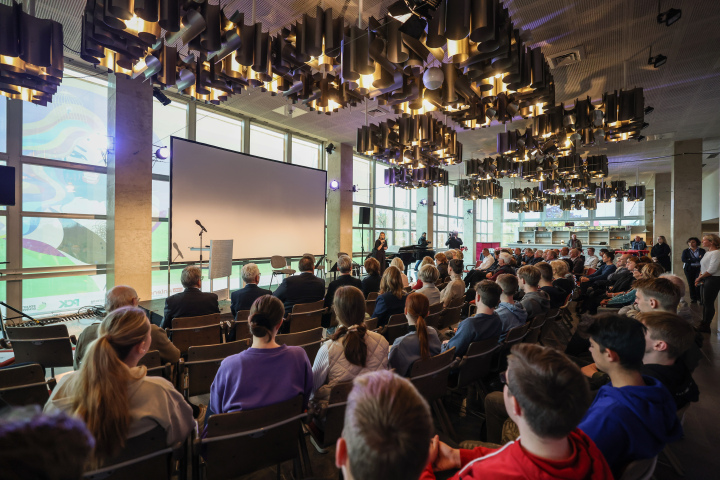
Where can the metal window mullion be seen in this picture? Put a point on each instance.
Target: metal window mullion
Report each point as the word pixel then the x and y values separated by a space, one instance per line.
pixel 47 162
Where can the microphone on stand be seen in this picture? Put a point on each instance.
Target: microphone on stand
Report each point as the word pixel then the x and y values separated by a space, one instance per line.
pixel 197 222
pixel 175 245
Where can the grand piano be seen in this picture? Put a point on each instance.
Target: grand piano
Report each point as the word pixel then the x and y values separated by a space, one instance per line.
pixel 409 254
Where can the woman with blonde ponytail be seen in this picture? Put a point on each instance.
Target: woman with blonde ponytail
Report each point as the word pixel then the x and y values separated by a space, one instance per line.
pixel 352 350
pixel 112 394
pixel 421 342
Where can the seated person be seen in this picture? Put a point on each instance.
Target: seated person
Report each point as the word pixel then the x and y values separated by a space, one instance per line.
pixel 442 265
pixel 485 324
pixel 371 283
pixel 425 261
pixel 387 430
pixel 619 299
pixel 114 396
pixel 537 258
pixel 577 262
pixel 534 301
pixel 352 350
pixel 391 300
pixel 456 288
pixel 421 342
pixel 512 314
pixel 243 299
pixel 302 288
pixel 591 260
pixel 192 302
pixel 503 266
pixel 344 265
pixel 398 263
pixel 527 257
pixel 633 417
pixel 124 296
pixel 429 275
pixel 562 278
pixel 264 374
pixel 557 296
pixel 546 396
pixel 601 274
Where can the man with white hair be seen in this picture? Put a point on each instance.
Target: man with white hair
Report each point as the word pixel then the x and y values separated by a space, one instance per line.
pixel 243 299
pixel 344 265
pixel 504 266
pixel 124 296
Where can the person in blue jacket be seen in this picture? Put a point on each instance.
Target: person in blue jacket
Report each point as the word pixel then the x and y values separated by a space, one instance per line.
pixel 602 273
pixel 633 416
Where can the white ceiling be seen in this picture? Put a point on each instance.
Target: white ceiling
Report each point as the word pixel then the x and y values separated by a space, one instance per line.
pixel 616 36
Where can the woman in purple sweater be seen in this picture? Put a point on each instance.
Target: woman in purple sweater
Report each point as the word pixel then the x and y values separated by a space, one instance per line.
pixel 266 373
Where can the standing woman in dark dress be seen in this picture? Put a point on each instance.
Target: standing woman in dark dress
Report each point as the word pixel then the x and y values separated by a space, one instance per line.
pixel 379 251
pixel 660 253
pixel 691 257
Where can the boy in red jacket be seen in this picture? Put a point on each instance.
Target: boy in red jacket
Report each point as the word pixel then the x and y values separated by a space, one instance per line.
pixel 546 395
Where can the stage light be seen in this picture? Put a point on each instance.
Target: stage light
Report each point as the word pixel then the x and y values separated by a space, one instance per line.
pixel 423 202
pixel 162 153
pixel 330 149
pixel 400 11
pixel 658 60
pixel 669 17
pixel 649 110
pixel 334 184
pixel 161 97
pixel 355 189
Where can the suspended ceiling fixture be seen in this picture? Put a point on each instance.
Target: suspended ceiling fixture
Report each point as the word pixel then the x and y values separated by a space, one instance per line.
pixel 414 140
pixel 474 189
pixel 31 55
pixel 472 64
pixel 409 178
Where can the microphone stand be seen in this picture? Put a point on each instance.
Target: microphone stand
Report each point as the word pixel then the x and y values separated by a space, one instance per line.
pixel 2 322
pixel 201 248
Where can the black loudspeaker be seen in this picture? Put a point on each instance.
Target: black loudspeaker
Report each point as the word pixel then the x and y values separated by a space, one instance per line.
pixel 7 186
pixel 364 215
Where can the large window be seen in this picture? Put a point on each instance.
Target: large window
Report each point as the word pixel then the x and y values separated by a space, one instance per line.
pixel 168 121
pixel 305 152
pixel 219 130
pixel 267 143
pixel 448 215
pixel 484 220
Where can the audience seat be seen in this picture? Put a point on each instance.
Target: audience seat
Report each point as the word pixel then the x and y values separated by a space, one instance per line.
pixel 243 442
pixel 477 364
pixel 24 385
pixel 334 416
pixel 239 330
pixel 373 295
pixel 184 338
pixel 434 320
pixel 280 267
pixel 198 372
pixel 145 456
pixel 640 469
pixel 370 306
pixel 300 322
pixel 371 324
pixel 430 377
pixel 308 307
pixel 242 315
pixel 435 308
pixel 393 332
pixel 309 340
pixel 458 302
pixel 534 328
pixel 514 335
pixel 154 365
pixel 451 316
pixel 51 346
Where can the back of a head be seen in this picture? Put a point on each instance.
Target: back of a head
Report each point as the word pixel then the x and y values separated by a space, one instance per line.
pixel 191 276
pixel 344 264
pixel 427 261
pixel 307 263
pixel 440 257
pixel 417 305
pixel 398 263
pixel 663 290
pixel 249 273
pixel 489 293
pixel 677 281
pixel 623 335
pixel 391 282
pixel 652 270
pixel 508 283
pixel 530 274
pixel 670 328
pixel 550 389
pixel 349 305
pixel 428 274
pixel 546 271
pixel 372 266
pixel 559 268
pixel 266 313
pixel 456 266
pixel 119 296
pixel 42 446
pixel 387 428
pixel 450 254
pixel 100 386
pixel 506 258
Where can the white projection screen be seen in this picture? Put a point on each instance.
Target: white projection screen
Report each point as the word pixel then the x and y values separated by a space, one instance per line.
pixel 266 207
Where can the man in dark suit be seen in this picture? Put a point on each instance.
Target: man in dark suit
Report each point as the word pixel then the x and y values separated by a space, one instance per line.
pixel 192 302
pixel 345 268
pixel 302 288
pixel 243 299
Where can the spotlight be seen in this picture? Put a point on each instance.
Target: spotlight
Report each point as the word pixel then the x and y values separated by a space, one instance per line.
pixel 649 110
pixel 641 138
pixel 330 149
pixel 423 202
pixel 657 61
pixel 400 11
pixel 644 126
pixel 669 17
pixel 334 184
pixel 355 189
pixel 469 211
pixel 162 98
pixel 162 153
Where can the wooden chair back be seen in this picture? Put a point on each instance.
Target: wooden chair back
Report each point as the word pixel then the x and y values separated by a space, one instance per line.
pixel 397 319
pixel 370 306
pixel 193 322
pixel 202 364
pixel 477 362
pixel 430 376
pixel 434 320
pixel 309 340
pixel 334 414
pixel 373 295
pixel 451 316
pixel 242 315
pixel 393 332
pixel 308 307
pixel 184 338
pixel 436 307
pixel 371 324
pixel 24 385
pixel 300 322
pixel 48 345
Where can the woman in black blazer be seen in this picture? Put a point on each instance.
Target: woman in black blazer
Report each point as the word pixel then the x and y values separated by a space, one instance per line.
pixel 371 283
pixel 379 251
pixel 660 253
pixel 691 257
pixel 391 300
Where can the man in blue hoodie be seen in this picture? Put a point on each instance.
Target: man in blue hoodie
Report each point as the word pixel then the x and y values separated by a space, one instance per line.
pixel 485 324
pixel 512 314
pixel 633 417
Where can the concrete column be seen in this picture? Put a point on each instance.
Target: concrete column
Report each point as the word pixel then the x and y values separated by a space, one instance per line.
pixel 663 208
pixel 469 230
pixel 339 202
pixel 14 228
pixel 129 190
pixel 686 216
pixel 649 204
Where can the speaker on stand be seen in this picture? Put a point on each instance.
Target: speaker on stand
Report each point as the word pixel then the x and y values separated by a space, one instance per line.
pixel 364 220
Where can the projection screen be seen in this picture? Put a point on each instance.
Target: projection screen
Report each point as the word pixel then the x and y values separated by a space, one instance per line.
pixel 266 207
